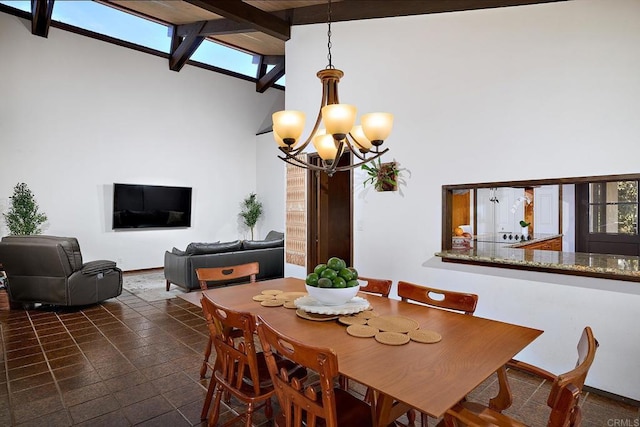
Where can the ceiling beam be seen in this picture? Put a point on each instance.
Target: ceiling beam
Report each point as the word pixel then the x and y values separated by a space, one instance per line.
pixel 238 11
pixel 267 80
pixel 217 27
pixel 349 10
pixel 183 48
pixel 41 17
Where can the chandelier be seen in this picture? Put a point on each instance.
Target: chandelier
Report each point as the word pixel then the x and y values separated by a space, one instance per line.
pixel 340 134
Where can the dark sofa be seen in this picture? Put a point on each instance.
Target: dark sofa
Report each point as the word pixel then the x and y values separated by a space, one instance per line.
pixel 179 266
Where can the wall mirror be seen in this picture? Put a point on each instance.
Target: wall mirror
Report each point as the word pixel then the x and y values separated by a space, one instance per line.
pixel 594 215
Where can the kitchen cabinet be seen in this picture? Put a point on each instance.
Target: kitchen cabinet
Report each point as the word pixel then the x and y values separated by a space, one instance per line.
pixel 554 244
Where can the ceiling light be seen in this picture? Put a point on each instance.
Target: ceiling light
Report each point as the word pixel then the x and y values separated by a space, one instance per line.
pixel 340 134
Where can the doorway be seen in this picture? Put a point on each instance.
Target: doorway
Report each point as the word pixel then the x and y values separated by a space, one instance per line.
pixel 330 214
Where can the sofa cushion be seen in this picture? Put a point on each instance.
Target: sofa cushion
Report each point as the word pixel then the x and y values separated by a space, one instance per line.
pixel 274 235
pixel 177 251
pixel 213 248
pixel 262 244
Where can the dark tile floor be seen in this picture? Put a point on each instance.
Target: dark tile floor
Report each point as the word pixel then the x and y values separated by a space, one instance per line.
pixel 132 362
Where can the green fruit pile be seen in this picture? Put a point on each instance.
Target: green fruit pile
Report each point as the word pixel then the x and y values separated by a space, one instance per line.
pixel 333 274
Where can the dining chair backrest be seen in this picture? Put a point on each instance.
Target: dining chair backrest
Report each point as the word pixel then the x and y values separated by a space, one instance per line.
pixel 303 404
pixel 380 287
pixel 450 300
pixel 221 276
pixel 587 347
pixel 235 356
pixel 236 369
pixel 207 275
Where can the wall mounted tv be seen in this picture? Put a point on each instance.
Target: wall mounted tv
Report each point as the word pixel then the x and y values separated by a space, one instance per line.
pixel 151 206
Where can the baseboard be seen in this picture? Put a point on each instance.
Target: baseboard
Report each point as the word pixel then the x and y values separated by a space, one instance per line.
pixel 612 396
pixel 144 270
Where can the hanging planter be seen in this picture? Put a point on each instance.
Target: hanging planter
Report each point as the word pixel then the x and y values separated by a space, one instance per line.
pixel 383 176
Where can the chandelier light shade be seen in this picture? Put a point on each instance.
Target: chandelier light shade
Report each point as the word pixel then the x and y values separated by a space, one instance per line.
pixel 377 126
pixel 326 147
pixel 339 119
pixel 341 133
pixel 288 125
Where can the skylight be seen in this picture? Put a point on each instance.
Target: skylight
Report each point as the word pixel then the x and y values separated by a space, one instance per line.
pixel 111 22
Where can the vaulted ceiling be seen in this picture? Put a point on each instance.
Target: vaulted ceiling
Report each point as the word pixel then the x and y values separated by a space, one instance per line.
pixel 261 27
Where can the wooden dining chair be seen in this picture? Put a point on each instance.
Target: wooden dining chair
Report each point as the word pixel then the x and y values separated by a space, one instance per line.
pixel 440 298
pixel 563 397
pixel 240 369
pixel 371 286
pixel 450 300
pixel 219 276
pixel 305 404
pixel 380 287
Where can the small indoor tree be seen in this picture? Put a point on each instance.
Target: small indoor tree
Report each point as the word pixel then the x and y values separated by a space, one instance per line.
pixel 251 211
pixel 23 217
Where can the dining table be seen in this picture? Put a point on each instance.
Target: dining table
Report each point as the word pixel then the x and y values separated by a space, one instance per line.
pixel 430 378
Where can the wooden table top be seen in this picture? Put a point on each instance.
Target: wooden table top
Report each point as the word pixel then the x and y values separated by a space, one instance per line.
pixel 428 377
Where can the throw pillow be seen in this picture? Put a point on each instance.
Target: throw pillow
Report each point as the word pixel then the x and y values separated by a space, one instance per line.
pixel 262 244
pixel 177 251
pixel 274 235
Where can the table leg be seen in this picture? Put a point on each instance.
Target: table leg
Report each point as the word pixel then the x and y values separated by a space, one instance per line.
pixel 504 398
pixel 387 409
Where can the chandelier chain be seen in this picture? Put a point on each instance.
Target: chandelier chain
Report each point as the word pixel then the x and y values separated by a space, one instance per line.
pixel 330 65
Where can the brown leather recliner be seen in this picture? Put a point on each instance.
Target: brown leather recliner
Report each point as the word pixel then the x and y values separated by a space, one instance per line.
pixel 49 270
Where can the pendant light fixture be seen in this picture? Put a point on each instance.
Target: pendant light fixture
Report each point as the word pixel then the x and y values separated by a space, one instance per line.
pixel 339 133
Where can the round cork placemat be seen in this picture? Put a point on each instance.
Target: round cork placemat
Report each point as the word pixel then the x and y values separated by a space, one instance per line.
pixel 367 314
pixel 290 296
pixel 362 331
pixel 262 297
pixel 392 338
pixel 272 292
pixel 316 317
pixel 271 303
pixel 424 336
pixel 289 304
pixel 393 323
pixel 352 320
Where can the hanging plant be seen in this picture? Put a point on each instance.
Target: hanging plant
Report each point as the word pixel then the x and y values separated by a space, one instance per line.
pixel 23 217
pixel 383 176
pixel 251 211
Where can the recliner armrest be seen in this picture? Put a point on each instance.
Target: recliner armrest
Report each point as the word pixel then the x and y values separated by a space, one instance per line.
pixel 99 266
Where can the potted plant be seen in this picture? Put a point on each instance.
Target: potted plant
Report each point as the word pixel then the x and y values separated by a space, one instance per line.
pixel 525 227
pixel 251 211
pixel 24 217
pixel 383 176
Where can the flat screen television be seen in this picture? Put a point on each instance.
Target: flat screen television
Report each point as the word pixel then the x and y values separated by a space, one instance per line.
pixel 151 206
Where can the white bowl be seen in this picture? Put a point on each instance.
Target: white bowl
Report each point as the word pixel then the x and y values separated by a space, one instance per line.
pixel 332 296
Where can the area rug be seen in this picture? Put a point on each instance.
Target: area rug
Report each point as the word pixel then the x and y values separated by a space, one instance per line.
pixel 150 286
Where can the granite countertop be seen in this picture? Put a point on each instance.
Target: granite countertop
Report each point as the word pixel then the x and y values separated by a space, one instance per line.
pixel 589 264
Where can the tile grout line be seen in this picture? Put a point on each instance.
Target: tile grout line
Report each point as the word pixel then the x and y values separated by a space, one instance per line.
pixel 6 373
pixel 46 359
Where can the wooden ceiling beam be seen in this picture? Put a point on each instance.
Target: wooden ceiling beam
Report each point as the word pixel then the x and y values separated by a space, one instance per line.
pixel 41 17
pixel 238 11
pixel 349 10
pixel 267 80
pixel 183 48
pixel 217 27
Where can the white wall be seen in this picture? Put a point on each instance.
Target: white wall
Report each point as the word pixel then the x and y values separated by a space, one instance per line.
pixel 541 91
pixel 77 115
